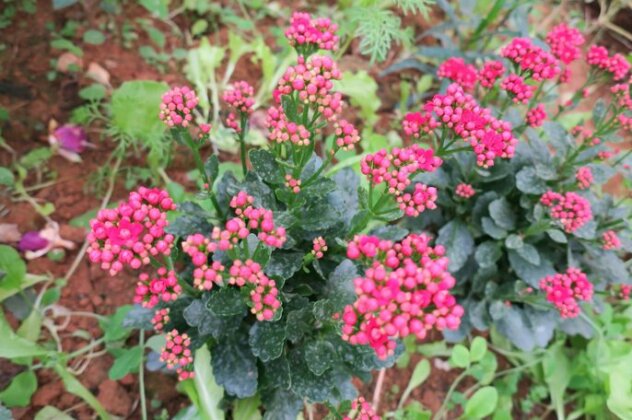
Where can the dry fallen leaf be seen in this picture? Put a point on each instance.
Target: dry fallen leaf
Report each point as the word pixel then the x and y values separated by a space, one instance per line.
pixel 97 73
pixel 9 233
pixel 66 60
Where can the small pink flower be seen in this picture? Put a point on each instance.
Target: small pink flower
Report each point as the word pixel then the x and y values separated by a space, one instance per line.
pixel 540 64
pixel 517 88
pixel 584 178
pixel 346 135
pixel 177 106
pixel 361 410
pixel 293 184
pixel 305 30
pixel 415 123
pixel 570 209
pixel 457 70
pixel 491 71
pixel 564 290
pixel 536 116
pixel 239 96
pixel 565 42
pixel 611 240
pixel 319 247
pixel 464 190
pixel 177 354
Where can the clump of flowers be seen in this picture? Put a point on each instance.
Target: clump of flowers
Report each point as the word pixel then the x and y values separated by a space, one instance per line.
pixel 600 58
pixel 361 409
pixel 489 137
pixel 346 135
pixel 535 116
pixel 457 70
pixel 540 64
pixel 133 232
pixel 293 184
pixel 317 33
pixel 564 290
pixel 610 240
pixel 584 178
pixel 177 106
pixel 570 209
pixel 152 290
pixel 160 319
pixel 464 190
pixel 177 354
pixel 565 43
pixel 492 70
pixel 263 293
pixel 405 291
pixel 416 123
pixel 282 130
pixel 319 248
pixel 517 88
pixel 239 98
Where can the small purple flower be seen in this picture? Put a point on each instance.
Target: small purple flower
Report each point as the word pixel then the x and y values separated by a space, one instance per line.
pixel 71 138
pixel 32 241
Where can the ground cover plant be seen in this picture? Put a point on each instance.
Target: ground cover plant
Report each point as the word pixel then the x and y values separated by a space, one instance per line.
pixel 306 238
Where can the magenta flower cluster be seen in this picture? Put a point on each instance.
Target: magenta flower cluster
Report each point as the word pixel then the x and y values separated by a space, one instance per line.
pixel 565 43
pixel 282 130
pixel 415 123
pixel 570 209
pixel 164 287
pixel 176 109
pixel 517 88
pixel 610 240
pixel 535 116
pixel 177 354
pixel 305 30
pixel 405 291
pixel 464 190
pixel 397 169
pixel 133 232
pixel 489 137
pixel 346 135
pixel 532 59
pixel 564 290
pixel 584 177
pixel 361 409
pixel 263 291
pixel 319 247
pixel 492 70
pixel 239 97
pixel 616 64
pixel 457 70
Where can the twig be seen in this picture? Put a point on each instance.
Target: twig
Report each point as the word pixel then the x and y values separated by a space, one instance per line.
pixel 377 393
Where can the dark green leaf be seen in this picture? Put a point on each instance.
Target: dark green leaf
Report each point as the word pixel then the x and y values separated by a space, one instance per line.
pixel 502 213
pixel 557 235
pixel 339 288
pixel 458 242
pixel 528 182
pixel 264 163
pixel 234 366
pixel 267 340
pixel 226 302
pixel 558 137
pixel 530 273
pixel 281 405
pixel 487 253
pixel 211 167
pixel 319 356
pixel 283 265
pixel 492 229
pixel 139 318
pixel 300 322
pixel 514 241
pixel 529 253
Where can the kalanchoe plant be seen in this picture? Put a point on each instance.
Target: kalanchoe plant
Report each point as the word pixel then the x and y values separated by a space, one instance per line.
pixel 533 242
pixel 287 274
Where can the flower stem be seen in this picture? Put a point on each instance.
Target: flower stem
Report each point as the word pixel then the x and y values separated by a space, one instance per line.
pixel 141 376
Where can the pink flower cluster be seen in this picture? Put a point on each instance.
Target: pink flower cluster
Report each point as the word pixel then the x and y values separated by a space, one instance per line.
pixel 492 70
pixel 536 116
pixel 404 291
pixel 132 232
pixel 152 290
pixel 489 137
pixel 610 240
pixel 625 122
pixel 177 106
pixel 621 92
pixel 293 184
pixel 570 209
pixel 319 247
pixel 584 178
pixel 239 96
pixel 464 190
pixel 565 43
pixel 415 123
pixel 625 291
pixel 517 88
pixel 397 168
pixel 160 319
pixel 616 64
pixel 177 354
pixel 539 63
pixel 312 81
pixel 346 135
pixel 282 130
pixel 457 70
pixel 316 31
pixel 361 410
pixel 258 219
pixel 263 291
pixel 563 290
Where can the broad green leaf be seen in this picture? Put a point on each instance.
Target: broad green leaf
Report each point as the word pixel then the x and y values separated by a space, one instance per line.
pixel 488 253
pixel 20 390
pixel 265 165
pixel 112 326
pixel 320 356
pixel 460 356
pixel 14 347
pixel 478 348
pixel 557 235
pixel 12 268
pixel 126 362
pixel 458 243
pixel 160 8
pixel 29 280
pixel 267 340
pixel 234 366
pixel 94 37
pixel 209 393
pixel 492 229
pixel 31 326
pixel 528 182
pixel 482 403
pixel 6 177
pixel 94 92
pixel 226 302
pixel 419 376
pixel 502 213
pixel 135 106
pixel 557 374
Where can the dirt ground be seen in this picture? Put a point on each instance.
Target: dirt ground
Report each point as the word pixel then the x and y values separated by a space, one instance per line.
pixel 32 101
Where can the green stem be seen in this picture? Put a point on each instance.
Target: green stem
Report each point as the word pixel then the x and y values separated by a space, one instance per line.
pixel 442 410
pixel 242 141
pixel 141 376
